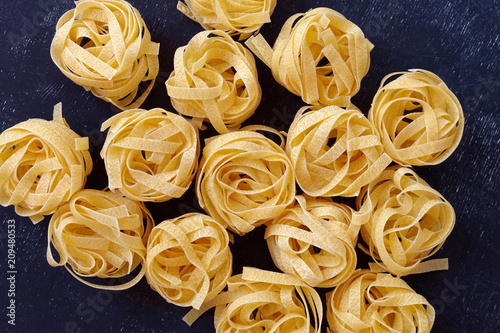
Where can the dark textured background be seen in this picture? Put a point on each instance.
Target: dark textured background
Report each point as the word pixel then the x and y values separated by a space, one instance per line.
pixel 458 40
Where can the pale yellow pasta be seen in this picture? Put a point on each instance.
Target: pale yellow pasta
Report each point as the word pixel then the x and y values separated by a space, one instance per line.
pixel 42 164
pixel 419 120
pixel 105 46
pixel 334 151
pixel 214 79
pixel 377 303
pixel 100 234
pixel 315 241
pixel 150 155
pixel 404 221
pixel 319 55
pixel 261 301
pixel 188 260
pixel 236 17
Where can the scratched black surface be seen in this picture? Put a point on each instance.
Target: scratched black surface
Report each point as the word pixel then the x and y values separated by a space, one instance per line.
pixel 458 40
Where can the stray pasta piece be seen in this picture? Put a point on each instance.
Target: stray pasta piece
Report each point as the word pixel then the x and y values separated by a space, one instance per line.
pixel 404 221
pixel 319 55
pixel 100 234
pixel 189 261
pixel 315 241
pixel 105 46
pixel 378 303
pixel 263 301
pixel 244 180
pixel 214 79
pixel 42 164
pixel 236 17
pixel 334 151
pixel 419 120
pixel 150 155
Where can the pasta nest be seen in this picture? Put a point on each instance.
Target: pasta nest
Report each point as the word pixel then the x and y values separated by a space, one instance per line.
pixel 319 55
pixel 100 234
pixel 378 303
pixel 315 241
pixel 189 261
pixel 42 164
pixel 106 47
pixel 404 221
pixel 419 120
pixel 334 151
pixel 150 155
pixel 214 79
pixel 262 301
pixel 244 180
pixel 235 17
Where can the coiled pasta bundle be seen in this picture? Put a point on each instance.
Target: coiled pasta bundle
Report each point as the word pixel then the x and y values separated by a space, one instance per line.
pixel 319 55
pixel 189 260
pixel 378 303
pixel 214 80
pixel 150 155
pixel 42 164
pixel 105 46
pixel 419 120
pixel 315 241
pixel 334 151
pixel 100 234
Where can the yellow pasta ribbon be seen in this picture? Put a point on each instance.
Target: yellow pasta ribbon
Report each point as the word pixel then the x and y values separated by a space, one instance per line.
pixel 100 234
pixel 377 303
pixel 315 241
pixel 150 155
pixel 334 151
pixel 404 221
pixel 105 46
pixel 419 120
pixel 236 17
pixel 263 301
pixel 244 180
pixel 189 261
pixel 319 55
pixel 214 79
pixel 42 164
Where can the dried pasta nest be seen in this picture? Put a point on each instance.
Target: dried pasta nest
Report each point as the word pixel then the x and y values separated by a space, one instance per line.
pixel 236 17
pixel 189 261
pixel 419 120
pixel 214 80
pixel 150 155
pixel 106 47
pixel 42 164
pixel 319 55
pixel 404 221
pixel 378 303
pixel 100 234
pixel 334 151
pixel 244 180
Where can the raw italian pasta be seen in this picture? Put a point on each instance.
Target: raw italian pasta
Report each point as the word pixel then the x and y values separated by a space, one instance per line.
pixel 419 120
pixel 404 221
pixel 244 180
pixel 188 260
pixel 319 55
pixel 262 301
pixel 214 80
pixel 236 17
pixel 42 164
pixel 315 241
pixel 334 151
pixel 150 155
pixel 105 46
pixel 378 303
pixel 100 234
